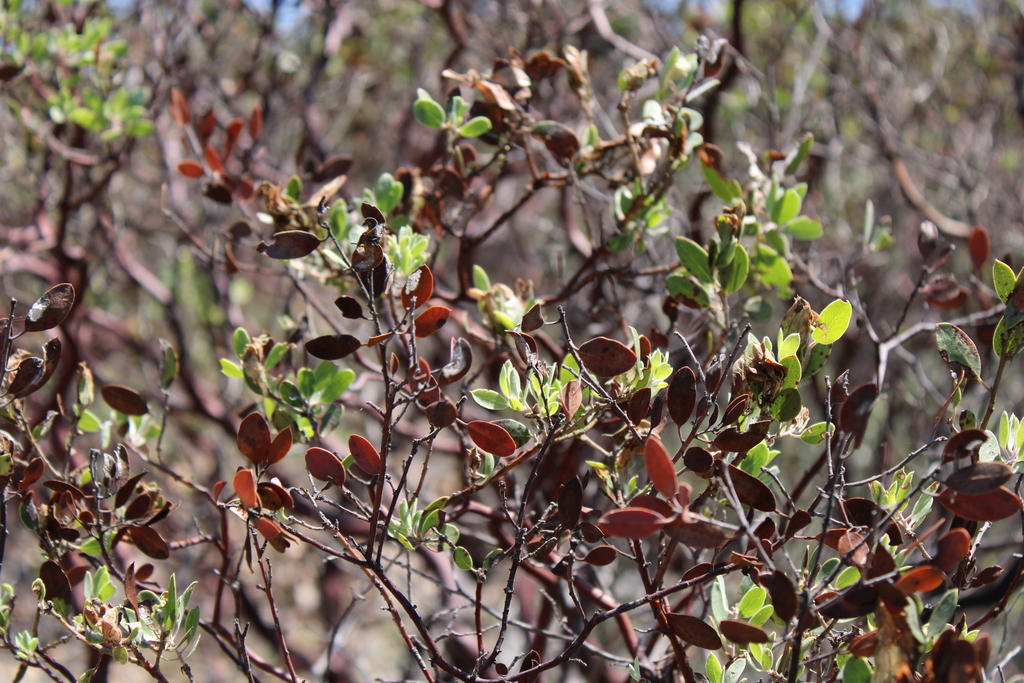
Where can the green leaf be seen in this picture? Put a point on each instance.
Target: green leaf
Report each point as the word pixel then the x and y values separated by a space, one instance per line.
pixel 787 208
pixel 815 434
pixel 475 127
pixel 847 577
pixel 734 275
pixel 725 190
pixel 337 385
pixel 694 258
pixel 801 153
pixel 833 322
pixel 240 340
pixel 89 119
pixel 803 228
pixel 231 369
pixel 427 111
pixel 293 190
pixel 735 671
pixel 762 616
pixel 957 349
pixel 857 670
pixel 752 601
pixel 794 373
pixel 1006 343
pixel 688 288
pixel 388 193
pixel 491 400
pixel 713 669
pixel 1003 279
pixel 787 406
pixel 943 612
pixel 480 279
pixel 463 560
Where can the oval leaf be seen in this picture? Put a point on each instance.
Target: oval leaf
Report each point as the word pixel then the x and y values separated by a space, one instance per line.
pixel 980 478
pixel 957 349
pixel 191 169
pixel 418 288
pixel 742 632
pixel 324 465
pixel 332 346
pixel 833 322
pixel 290 244
pixel 694 631
pixel 491 438
pixel 606 357
pixel 921 580
pixel 989 507
pixel 570 503
pixel 365 455
pixel 458 366
pixel 632 523
pixel 50 309
pixel 783 595
pixel 245 487
pixel 953 547
pixel 660 468
pixel 749 489
pixel 349 307
pixel 963 444
pixel 601 556
pixel 733 440
pixel 431 320
pixel 149 542
pixel 124 400
pixel 254 438
pixel 58 587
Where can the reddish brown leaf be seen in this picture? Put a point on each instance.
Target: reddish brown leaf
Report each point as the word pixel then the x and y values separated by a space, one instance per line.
pixel 33 472
pixel 349 307
pixel 697 532
pixel 213 160
pixel 783 595
pixel 732 440
pixel 652 502
pixel 560 140
pixel 660 468
pixel 274 496
pixel 700 461
pixel 332 346
pixel 639 405
pixel 853 416
pixel 867 513
pixel 532 320
pixel 634 523
pixel 231 133
pixel 245 487
pixel 441 413
pixel 979 478
pixel 431 320
pixel 491 438
pixel 980 246
pixel 572 398
pixel 149 542
pixel 852 542
pixel 606 357
pixel 856 601
pixel 280 446
pixel 694 631
pixel 601 556
pixel 325 466
pixel 139 507
pixel 254 438
pixel 124 400
pixel 290 244
pixel 963 444
pixel 205 126
pixel 126 490
pixel 526 346
pixel 682 395
pixel 365 455
pixel 191 169
pixel 58 587
pixel 272 531
pixel 178 107
pixel 570 503
pixel 986 576
pixel 372 212
pixel 953 547
pixel 921 579
pixel 696 571
pixel 256 122
pixel 742 632
pixel 750 490
pixel 798 522
pixel 735 409
pixel 218 488
pixel 418 288
pixel 50 309
pixel 459 365
pixel 989 507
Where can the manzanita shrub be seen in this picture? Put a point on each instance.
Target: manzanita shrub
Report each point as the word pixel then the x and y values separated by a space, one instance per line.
pixel 531 483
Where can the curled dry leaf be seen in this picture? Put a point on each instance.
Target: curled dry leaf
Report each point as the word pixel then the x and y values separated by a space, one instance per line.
pixel 324 465
pixel 783 595
pixel 365 455
pixel 697 571
pixel 697 532
pixel 532 320
pixel 372 212
pixel 124 400
pixel 254 438
pixel 606 357
pixel 149 542
pixel 430 321
pixel 741 632
pixel 660 468
pixel 694 631
pixel 245 487
pixel 963 444
pixel 458 366
pixel 272 531
pixel 418 288
pixel 274 496
pixel 50 309
pixel 491 438
pixel 639 405
pixel 750 490
pixel 290 244
pixel 989 507
pixel 332 346
pixel 572 398
pixel 560 140
pixel 58 587
pixel 632 523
